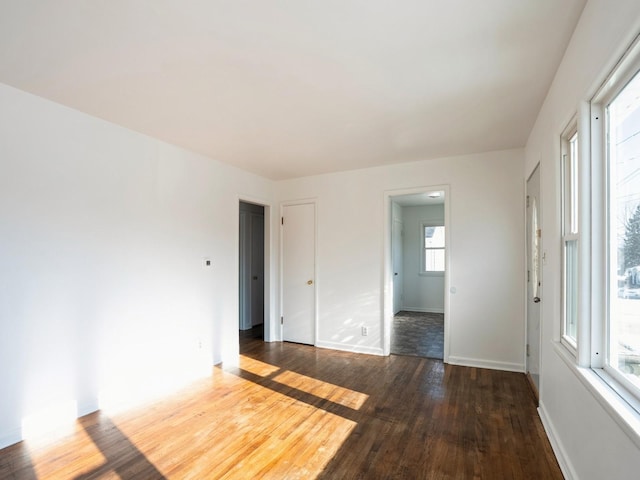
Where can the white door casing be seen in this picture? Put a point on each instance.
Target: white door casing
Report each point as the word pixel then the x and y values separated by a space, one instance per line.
pixel 298 273
pixel 388 300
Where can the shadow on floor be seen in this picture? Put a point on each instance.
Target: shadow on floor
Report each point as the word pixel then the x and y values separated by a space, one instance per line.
pixel 15 462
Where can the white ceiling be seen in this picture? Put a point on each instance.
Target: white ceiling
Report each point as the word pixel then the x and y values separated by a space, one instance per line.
pixel 291 88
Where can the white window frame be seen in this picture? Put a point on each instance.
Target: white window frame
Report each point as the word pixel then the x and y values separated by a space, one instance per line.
pixel 423 261
pixel 569 175
pixel 619 399
pixel 600 235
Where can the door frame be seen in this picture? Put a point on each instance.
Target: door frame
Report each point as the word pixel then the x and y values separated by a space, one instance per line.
pixel 269 293
pixel 387 277
pixel 290 203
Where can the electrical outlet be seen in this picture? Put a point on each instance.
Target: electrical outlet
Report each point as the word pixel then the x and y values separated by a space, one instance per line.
pixel 365 331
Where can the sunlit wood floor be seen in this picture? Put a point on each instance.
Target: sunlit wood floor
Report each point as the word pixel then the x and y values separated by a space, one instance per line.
pixel 297 412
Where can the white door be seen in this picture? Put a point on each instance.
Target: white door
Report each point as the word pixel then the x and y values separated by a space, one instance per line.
pixel 534 237
pixel 396 260
pixel 298 273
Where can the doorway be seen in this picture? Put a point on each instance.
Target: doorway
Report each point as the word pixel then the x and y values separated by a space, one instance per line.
pixel 534 283
pixel 252 271
pixel 418 258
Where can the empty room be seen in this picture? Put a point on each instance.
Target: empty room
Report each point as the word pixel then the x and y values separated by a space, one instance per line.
pixel 320 240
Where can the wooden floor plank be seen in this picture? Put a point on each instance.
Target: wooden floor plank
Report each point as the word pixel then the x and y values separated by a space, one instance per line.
pixel 293 411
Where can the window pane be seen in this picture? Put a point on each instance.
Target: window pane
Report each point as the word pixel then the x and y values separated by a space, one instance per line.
pixel 624 230
pixel 571 290
pixel 434 260
pixel 573 178
pixel 434 237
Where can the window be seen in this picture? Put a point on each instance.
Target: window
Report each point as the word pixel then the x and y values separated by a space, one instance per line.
pixel 433 257
pixel 570 236
pixel 622 127
pixel 613 208
pixel 600 239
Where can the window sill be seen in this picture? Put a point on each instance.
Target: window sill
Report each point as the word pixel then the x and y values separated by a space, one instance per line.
pixel 570 347
pixel 616 401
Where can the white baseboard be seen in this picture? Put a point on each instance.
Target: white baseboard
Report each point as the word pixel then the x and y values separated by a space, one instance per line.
pixel 15 436
pixel 423 310
pixel 10 437
pixel 491 364
pixel 350 348
pixel 558 449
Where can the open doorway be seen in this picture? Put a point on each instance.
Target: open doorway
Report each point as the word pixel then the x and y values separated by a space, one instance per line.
pixel 418 273
pixel 252 270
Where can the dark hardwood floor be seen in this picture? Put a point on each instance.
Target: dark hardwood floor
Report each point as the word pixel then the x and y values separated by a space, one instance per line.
pixel 296 412
pixel 418 333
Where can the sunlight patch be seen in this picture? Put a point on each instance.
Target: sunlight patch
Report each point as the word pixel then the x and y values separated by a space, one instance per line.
pixel 334 393
pixel 127 388
pixel 303 454
pixel 257 367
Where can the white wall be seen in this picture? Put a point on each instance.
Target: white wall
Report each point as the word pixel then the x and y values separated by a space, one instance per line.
pixel 422 293
pixel 590 444
pixel 486 235
pixel 102 236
